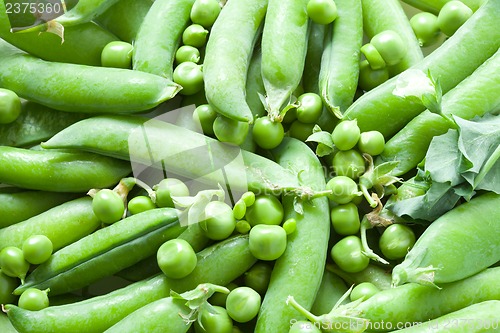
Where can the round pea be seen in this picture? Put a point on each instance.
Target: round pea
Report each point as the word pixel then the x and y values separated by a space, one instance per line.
pixel 176 258
pixel 168 188
pixel 205 12
pixel 322 11
pixel 345 219
pixel 243 227
pixel 259 276
pixel 349 163
pixel 267 209
pixel 239 209
pixel 187 53
pixel 230 130
pixel 371 142
pixel 300 130
pixel 348 254
pixel 108 206
pixel 217 321
pixel 33 299
pixel 117 54
pixel 139 204
pixel 205 115
pixel 13 263
pixel 426 28
pixel 343 188
pixel 267 242
pixel 218 222
pixel 290 225
pixel 195 35
pixel 37 249
pixel 310 108
pixel 243 304
pixel 190 76
pixel 346 134
pixel 363 290
pixel 266 133
pixel 370 78
pixel 10 106
pixel 452 15
pixel 390 46
pixel 396 241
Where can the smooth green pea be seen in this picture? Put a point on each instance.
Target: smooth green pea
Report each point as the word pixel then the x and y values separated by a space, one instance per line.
pixel 345 219
pixel 267 209
pixel 117 54
pixel 190 76
pixel 108 206
pixel 370 78
pixel 195 35
pixel 267 242
pixel 426 28
pixel 239 209
pixel 205 115
pixel 452 15
pixel 267 134
pixel 230 130
pixel 243 227
pixel 347 253
pixel 300 130
pixel 187 53
pixel 37 249
pixel 310 108
pixel 248 198
pixel 259 276
pixel 343 188
pixel 363 290
pixel 34 299
pixel 219 222
pixel 205 12
pixel 371 142
pixel 214 322
pixel 346 134
pixel 168 188
pixel 322 11
pixel 390 46
pixel 349 163
pixel 176 258
pixel 139 204
pixel 10 106
pixel 12 262
pixel 290 225
pixel 396 241
pixel 243 304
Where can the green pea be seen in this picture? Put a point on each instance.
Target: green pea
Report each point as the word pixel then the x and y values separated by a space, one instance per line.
pixel 10 106
pixel 219 222
pixel 37 249
pixel 13 263
pixel 290 225
pixel 363 290
pixel 248 198
pixel 243 304
pixel 176 258
pixel 117 54
pixel 239 209
pixel 348 254
pixel 243 227
pixel 217 321
pixel 230 130
pixel 139 204
pixel 205 12
pixel 195 35
pixel 259 276
pixel 34 299
pixel 349 163
pixel 189 75
pixel 267 209
pixel 345 219
pixel 452 16
pixel 187 53
pixel 346 134
pixel 108 206
pixel 267 242
pixel 205 115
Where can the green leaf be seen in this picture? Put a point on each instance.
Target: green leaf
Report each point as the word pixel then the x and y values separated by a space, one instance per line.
pixel 442 160
pixel 323 137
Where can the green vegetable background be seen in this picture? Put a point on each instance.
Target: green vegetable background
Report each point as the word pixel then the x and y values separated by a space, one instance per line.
pixel 256 166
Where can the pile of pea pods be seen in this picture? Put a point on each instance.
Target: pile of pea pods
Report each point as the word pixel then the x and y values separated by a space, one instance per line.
pixel 223 166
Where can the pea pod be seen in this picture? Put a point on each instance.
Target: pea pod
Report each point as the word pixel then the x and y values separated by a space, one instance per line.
pixel 228 56
pixel 374 274
pixel 434 6
pixel 390 309
pixel 443 247
pixel 6 325
pixel 338 77
pixel 80 88
pixel 83 43
pixel 188 154
pixel 19 206
pixel 63 225
pixel 315 46
pixel 254 85
pixel 381 15
pixel 219 264
pixel 479 317
pixel 104 252
pixel 300 269
pixel 459 56
pixel 159 36
pixel 330 291
pixel 35 124
pixel 284 49
pixel 59 171
pixel 124 18
pixel 476 95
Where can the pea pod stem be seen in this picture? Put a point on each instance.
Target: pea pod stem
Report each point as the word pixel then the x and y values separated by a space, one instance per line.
pixel 365 225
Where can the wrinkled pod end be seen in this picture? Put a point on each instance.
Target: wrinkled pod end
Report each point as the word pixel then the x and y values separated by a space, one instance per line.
pixel 422 275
